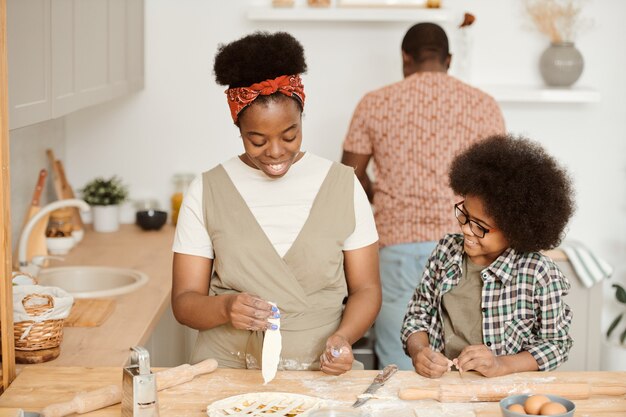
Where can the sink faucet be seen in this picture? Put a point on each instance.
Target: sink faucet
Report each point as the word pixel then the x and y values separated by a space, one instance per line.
pixel 28 228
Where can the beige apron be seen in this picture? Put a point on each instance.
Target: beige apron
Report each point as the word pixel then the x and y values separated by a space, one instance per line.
pixel 307 284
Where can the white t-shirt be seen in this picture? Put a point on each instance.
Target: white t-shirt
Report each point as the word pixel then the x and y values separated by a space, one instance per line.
pixel 281 206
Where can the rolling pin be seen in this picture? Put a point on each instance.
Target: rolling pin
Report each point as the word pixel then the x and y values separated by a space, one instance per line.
pixel 84 402
pixel 459 393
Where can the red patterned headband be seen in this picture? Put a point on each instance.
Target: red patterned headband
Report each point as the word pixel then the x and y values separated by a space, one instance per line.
pixel 240 97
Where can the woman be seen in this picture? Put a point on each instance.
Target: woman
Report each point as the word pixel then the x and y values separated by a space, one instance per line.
pixel 274 224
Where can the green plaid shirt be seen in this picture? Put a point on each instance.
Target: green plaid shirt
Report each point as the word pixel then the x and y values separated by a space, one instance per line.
pixel 522 303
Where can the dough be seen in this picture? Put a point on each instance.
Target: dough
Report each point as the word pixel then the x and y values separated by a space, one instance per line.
pixel 262 404
pixel 272 345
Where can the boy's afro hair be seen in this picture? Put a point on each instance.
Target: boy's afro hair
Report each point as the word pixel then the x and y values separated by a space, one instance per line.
pixel 528 194
pixel 258 57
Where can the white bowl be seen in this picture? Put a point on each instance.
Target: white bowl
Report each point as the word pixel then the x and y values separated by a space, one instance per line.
pixel 60 245
pixel 78 235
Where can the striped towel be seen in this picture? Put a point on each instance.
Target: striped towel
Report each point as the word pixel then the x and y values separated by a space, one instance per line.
pixel 589 268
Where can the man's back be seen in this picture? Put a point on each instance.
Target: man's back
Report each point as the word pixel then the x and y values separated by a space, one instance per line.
pixel 413 129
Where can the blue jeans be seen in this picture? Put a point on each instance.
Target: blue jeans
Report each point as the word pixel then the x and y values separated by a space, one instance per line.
pixel 401 269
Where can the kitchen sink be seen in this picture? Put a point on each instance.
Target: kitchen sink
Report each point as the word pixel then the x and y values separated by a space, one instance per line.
pixel 92 281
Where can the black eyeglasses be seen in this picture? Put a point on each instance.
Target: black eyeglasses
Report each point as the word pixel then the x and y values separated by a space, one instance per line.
pixel 463 218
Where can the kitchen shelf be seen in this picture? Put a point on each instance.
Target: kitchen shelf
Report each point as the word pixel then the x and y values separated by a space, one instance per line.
pixel 534 94
pixel 349 14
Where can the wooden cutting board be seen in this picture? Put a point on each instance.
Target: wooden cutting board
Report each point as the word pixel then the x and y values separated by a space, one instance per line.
pixel 37 356
pixel 89 312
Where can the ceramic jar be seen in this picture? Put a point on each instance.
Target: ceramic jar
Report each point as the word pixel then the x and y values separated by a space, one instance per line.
pixel 561 64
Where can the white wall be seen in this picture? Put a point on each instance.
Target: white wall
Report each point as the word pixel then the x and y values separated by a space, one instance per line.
pixel 28 156
pixel 181 122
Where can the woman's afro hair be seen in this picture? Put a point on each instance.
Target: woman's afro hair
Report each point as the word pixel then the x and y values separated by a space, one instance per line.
pixel 258 57
pixel 525 191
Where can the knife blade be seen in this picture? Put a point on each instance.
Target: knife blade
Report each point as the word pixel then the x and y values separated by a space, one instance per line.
pixel 382 377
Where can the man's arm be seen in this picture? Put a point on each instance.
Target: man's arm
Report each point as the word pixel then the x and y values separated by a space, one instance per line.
pixel 359 163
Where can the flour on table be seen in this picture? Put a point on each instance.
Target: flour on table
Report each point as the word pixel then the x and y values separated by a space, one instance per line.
pixel 272 345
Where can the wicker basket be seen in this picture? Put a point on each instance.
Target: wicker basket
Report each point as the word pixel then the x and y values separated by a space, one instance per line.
pixel 45 334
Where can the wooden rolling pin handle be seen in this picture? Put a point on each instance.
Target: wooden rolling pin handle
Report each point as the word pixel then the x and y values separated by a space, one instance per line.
pixel 183 373
pixel 419 394
pixel 85 402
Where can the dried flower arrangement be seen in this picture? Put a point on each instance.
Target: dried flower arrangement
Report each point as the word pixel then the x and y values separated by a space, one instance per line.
pixel 558 19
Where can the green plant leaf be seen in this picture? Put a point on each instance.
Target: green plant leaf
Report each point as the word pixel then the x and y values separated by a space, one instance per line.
pixel 101 191
pixel 613 325
pixel 622 337
pixel 620 293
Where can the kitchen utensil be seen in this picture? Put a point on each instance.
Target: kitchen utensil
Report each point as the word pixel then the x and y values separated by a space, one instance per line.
pixel 85 401
pixel 89 312
pixel 495 392
pixel 139 396
pixel 379 381
pixel 112 394
pixel 184 373
pixel 56 177
pixel 63 189
pixel 68 193
pixel 37 240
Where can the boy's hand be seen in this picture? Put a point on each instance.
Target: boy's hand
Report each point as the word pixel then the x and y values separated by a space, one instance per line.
pixel 429 363
pixel 480 359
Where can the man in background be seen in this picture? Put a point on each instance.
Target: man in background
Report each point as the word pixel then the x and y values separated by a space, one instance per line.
pixel 412 130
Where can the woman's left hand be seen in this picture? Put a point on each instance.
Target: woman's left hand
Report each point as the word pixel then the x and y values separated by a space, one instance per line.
pixel 480 359
pixel 337 358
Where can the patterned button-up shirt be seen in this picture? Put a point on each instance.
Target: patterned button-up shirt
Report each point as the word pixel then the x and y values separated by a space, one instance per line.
pixel 522 303
pixel 413 129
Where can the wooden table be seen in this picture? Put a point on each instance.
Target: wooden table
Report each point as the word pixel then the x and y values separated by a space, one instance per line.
pixel 37 387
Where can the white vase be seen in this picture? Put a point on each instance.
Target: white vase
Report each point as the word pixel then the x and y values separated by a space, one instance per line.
pixel 106 218
pixel 613 357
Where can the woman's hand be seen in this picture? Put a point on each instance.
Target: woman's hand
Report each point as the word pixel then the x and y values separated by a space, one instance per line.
pixel 249 312
pixel 429 363
pixel 480 359
pixel 337 358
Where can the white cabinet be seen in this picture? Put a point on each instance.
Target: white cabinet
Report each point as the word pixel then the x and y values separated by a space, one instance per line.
pixel 65 55
pixel 28 36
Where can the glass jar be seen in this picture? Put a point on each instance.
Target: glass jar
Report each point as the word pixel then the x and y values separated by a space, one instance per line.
pixel 60 223
pixel 181 183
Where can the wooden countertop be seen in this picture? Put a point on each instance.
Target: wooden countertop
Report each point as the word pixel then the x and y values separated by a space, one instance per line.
pixel 136 314
pixel 37 387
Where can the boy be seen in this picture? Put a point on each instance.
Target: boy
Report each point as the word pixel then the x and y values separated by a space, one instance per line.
pixel 488 300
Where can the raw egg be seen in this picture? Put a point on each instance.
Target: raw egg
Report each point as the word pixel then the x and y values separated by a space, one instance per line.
pixel 533 404
pixel 552 409
pixel 517 408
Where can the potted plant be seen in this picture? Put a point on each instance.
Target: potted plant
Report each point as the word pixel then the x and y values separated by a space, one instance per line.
pixel 614 349
pixel 620 296
pixel 104 196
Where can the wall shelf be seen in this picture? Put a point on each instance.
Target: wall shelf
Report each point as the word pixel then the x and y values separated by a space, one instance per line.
pixel 536 94
pixel 349 14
